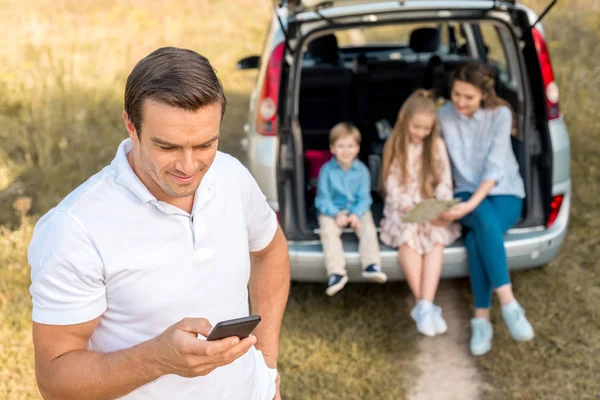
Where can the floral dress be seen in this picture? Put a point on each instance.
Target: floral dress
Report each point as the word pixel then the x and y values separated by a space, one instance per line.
pixel 400 197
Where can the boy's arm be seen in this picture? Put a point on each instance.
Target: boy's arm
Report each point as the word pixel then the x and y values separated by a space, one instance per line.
pixel 363 201
pixel 324 199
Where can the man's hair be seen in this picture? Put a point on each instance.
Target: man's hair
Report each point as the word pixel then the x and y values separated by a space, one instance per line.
pixel 176 77
pixel 344 129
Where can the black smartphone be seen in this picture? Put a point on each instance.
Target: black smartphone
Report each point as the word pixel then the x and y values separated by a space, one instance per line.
pixel 240 327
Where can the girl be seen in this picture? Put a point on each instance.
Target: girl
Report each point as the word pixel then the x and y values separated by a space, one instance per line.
pixel 478 123
pixel 415 166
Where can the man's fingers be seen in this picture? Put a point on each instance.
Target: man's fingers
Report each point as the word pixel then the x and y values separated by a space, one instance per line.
pixel 210 348
pixel 236 351
pixel 219 354
pixel 196 325
pixel 278 388
pixel 217 348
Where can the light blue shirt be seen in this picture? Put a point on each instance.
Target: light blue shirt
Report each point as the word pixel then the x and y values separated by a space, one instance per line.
pixel 480 149
pixel 339 190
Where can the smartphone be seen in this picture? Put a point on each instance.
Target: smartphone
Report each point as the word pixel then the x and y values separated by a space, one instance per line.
pixel 240 327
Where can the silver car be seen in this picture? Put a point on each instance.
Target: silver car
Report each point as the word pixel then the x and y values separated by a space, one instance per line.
pixel 346 60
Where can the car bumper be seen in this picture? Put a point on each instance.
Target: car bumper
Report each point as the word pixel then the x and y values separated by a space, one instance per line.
pixel 525 248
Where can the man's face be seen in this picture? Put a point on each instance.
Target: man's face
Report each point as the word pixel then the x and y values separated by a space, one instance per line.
pixel 176 147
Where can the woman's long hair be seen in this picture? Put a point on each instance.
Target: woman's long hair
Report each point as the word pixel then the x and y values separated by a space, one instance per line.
pixel 395 150
pixel 481 76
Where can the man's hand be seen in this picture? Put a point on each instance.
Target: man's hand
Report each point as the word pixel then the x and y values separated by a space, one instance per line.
pixel 342 220
pixel 179 350
pixel 354 222
pixel 458 211
pixel 278 392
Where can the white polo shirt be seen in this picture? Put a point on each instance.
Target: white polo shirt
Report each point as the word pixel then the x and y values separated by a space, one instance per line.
pixel 110 249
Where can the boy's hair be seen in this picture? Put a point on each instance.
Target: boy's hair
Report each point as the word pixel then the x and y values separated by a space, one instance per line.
pixel 344 129
pixel 396 146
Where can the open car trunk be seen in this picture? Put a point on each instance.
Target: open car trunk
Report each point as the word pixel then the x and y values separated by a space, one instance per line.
pixel 364 77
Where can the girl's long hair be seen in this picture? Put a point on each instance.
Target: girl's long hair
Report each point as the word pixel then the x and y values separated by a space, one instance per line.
pixel 395 150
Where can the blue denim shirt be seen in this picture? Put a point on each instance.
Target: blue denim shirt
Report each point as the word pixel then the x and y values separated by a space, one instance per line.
pixel 339 190
pixel 480 149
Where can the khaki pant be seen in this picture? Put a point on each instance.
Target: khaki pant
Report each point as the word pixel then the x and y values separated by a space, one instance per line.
pixel 333 250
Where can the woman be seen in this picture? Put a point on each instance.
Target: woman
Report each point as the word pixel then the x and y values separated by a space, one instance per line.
pixel 476 127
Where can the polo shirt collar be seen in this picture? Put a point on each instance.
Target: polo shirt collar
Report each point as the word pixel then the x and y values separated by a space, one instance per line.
pixel 125 175
pixel 129 180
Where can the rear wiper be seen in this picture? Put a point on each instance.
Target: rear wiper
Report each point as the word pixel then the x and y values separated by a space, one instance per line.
pixel 543 14
pixel 317 10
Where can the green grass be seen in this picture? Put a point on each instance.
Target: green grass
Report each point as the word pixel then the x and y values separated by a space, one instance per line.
pixel 62 76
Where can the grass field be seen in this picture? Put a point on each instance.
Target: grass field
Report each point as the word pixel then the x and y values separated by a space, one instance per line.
pixel 62 75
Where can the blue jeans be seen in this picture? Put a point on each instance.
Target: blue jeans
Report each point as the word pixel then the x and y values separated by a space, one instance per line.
pixel 484 241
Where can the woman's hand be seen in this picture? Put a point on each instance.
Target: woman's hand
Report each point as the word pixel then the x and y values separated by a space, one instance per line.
pixel 458 211
pixel 439 222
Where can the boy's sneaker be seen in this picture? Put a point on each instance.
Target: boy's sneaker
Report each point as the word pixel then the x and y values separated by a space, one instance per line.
pixel 424 317
pixel 440 324
pixel 518 326
pixel 482 333
pixel 336 283
pixel 373 272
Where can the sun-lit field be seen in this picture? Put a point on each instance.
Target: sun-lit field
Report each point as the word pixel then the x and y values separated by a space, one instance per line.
pixel 62 74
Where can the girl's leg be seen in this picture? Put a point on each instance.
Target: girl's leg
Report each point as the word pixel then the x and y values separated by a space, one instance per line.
pixel 412 266
pixel 432 269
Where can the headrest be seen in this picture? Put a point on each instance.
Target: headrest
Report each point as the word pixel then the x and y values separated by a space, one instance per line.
pixel 325 49
pixel 425 40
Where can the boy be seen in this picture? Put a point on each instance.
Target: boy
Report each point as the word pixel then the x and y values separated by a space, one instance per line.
pixel 344 198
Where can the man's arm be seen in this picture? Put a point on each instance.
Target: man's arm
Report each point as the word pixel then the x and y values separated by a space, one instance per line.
pixel 269 288
pixel 66 370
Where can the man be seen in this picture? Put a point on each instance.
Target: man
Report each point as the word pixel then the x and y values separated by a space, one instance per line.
pixel 131 270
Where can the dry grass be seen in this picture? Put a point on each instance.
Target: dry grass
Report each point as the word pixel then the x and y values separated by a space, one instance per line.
pixel 562 299
pixel 61 83
pixel 62 75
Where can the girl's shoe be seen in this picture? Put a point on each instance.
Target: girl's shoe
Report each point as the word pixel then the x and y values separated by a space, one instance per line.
pixel 424 317
pixel 482 333
pixel 438 321
pixel 518 326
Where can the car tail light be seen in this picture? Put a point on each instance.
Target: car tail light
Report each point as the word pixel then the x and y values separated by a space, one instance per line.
pixel 269 95
pixel 554 209
pixel 550 86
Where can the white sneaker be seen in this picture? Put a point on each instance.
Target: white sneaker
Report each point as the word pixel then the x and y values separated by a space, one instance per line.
pixel 424 317
pixel 440 324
